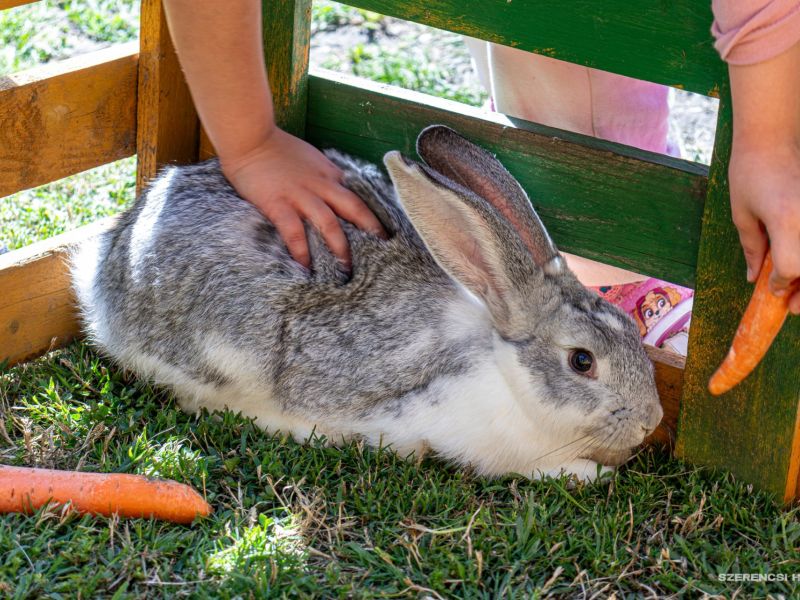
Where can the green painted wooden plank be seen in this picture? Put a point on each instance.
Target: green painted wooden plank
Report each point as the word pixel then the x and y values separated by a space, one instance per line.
pixel 666 42
pixel 602 200
pixel 751 429
pixel 287 34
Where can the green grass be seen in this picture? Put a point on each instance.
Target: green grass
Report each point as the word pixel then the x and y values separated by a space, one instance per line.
pixel 327 16
pixel 29 36
pixel 297 520
pixel 49 30
pixel 419 73
pixel 113 21
pixel 434 66
pixel 61 206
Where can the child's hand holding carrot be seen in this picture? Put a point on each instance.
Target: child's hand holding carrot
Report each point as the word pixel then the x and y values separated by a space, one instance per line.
pixel 760 324
pixel 764 170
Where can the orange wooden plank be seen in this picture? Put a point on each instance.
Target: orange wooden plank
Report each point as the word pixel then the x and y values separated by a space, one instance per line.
pixel 669 381
pixel 65 117
pixel 206 147
pixel 4 4
pixel 168 128
pixel 37 308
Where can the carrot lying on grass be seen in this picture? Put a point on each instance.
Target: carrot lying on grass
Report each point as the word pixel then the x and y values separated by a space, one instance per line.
pixel 25 490
pixel 761 322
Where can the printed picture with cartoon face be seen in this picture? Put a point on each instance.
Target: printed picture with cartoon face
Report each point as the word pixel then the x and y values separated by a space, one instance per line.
pixel 653 306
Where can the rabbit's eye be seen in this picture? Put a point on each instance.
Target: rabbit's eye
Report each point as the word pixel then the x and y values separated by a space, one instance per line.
pixel 582 362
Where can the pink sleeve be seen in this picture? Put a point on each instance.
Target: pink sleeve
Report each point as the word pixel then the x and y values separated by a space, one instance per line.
pixel 752 31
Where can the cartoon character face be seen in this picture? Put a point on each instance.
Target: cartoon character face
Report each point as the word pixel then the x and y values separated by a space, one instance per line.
pixel 652 307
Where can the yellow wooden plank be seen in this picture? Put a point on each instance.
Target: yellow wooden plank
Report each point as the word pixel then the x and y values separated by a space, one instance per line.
pixel 669 381
pixel 65 117
pixel 37 309
pixel 4 4
pixel 206 147
pixel 168 127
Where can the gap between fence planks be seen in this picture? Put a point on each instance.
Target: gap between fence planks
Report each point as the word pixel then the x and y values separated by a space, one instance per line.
pixel 669 381
pixel 37 308
pixel 65 117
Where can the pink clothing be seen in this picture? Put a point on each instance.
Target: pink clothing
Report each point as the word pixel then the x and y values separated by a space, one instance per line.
pixel 752 31
pixel 573 97
pixel 617 108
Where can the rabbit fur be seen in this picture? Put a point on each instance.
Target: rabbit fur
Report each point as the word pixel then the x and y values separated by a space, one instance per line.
pixel 454 335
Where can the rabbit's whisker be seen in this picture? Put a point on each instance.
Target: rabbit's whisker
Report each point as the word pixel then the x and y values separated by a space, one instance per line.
pixel 596 443
pixel 567 445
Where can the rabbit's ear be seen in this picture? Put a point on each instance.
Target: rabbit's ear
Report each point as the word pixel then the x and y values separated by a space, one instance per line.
pixel 469 240
pixel 465 163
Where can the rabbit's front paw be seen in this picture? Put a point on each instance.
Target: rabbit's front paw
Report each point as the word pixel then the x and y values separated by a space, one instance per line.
pixel 583 471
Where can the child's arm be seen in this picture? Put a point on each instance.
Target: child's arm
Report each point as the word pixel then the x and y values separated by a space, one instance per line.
pixel 220 49
pixel 760 40
pixel 764 171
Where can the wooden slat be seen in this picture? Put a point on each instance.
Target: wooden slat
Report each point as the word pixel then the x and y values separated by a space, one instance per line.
pixel 206 147
pixel 4 4
pixel 168 127
pixel 753 430
pixel 287 34
pixel 633 209
pixel 36 305
pixel 66 117
pixel 666 42
pixel 669 381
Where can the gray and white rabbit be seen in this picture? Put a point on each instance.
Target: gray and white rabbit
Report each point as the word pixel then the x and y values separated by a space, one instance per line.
pixel 464 333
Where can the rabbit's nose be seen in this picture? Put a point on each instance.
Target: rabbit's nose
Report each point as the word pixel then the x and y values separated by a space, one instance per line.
pixel 653 419
pixel 648 430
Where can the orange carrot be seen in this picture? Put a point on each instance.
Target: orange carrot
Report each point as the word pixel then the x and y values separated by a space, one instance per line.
pixel 761 322
pixel 25 490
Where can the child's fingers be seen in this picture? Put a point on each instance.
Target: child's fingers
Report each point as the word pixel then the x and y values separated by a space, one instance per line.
pixel 324 220
pixel 330 170
pixel 794 303
pixel 347 204
pixel 353 209
pixel 754 243
pixel 785 245
pixel 290 228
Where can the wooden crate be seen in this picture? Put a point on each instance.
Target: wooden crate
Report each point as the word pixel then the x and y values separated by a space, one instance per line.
pixel 63 118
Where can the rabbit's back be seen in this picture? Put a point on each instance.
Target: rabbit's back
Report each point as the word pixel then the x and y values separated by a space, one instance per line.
pixel 194 288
